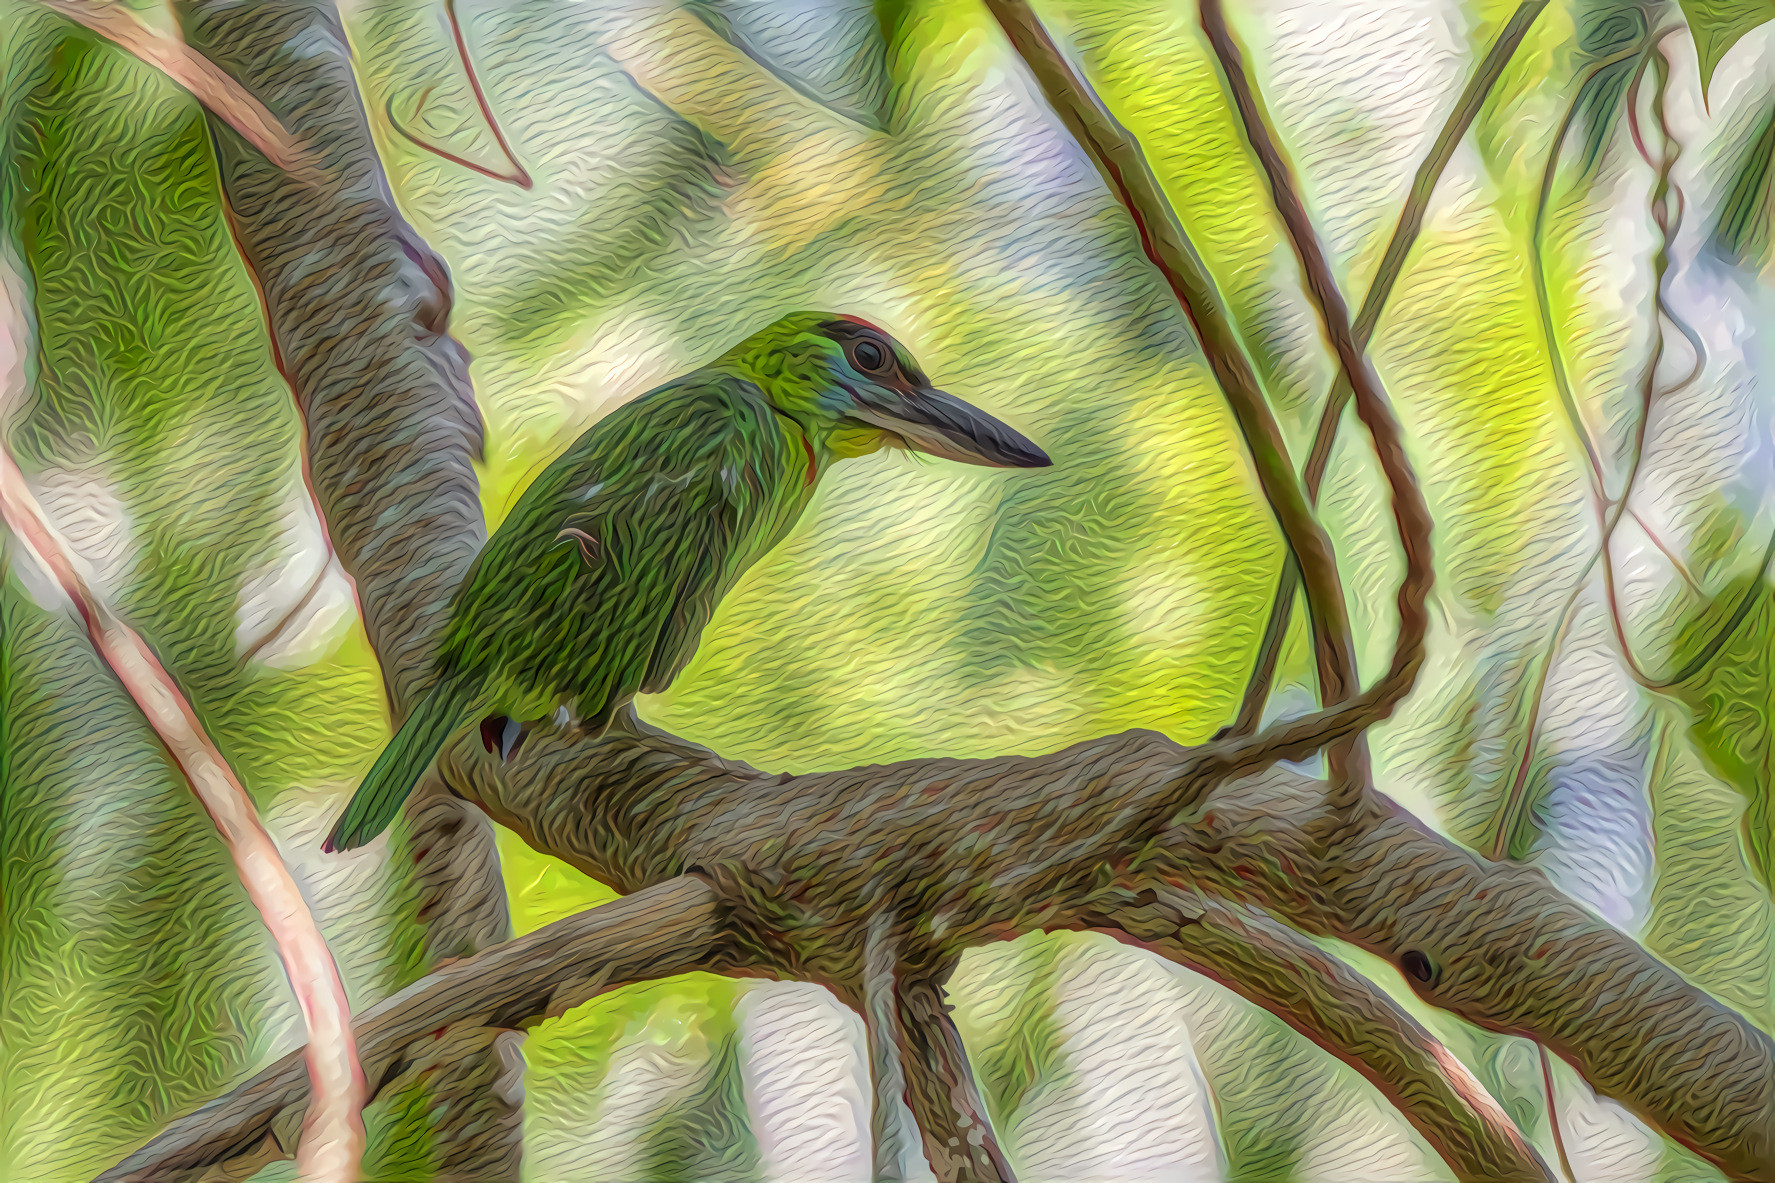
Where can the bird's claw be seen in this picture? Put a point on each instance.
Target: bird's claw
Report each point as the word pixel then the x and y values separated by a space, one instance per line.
pixel 502 734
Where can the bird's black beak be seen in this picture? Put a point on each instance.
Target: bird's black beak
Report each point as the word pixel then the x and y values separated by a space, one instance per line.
pixel 940 424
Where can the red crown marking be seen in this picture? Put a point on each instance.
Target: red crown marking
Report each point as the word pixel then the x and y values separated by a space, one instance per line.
pixel 857 320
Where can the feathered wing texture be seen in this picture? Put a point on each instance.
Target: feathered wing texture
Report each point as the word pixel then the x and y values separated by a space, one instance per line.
pixel 448 706
pixel 601 581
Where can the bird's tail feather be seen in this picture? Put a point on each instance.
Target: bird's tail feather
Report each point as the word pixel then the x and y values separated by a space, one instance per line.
pixel 378 798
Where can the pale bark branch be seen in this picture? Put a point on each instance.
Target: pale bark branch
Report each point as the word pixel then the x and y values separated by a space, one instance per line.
pixel 357 307
pixel 222 95
pixel 670 928
pixel 332 1138
pixel 887 1074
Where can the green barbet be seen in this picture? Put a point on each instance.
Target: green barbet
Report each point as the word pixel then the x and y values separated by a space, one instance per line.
pixel 600 582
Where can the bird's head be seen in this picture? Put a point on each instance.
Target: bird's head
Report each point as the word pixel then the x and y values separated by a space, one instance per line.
pixel 855 389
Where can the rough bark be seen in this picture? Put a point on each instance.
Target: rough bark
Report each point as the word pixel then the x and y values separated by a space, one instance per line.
pixel 358 308
pixel 984 850
pixel 1344 1013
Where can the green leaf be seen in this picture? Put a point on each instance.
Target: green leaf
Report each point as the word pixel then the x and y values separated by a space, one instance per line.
pixel 1742 225
pixel 1729 706
pixel 1717 26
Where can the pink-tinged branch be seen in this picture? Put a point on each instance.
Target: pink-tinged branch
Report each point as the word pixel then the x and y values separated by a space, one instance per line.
pixel 197 74
pixel 332 1138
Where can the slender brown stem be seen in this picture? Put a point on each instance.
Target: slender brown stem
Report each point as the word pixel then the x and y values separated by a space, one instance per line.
pixel 1124 169
pixel 1510 808
pixel 519 175
pixel 1392 265
pixel 1538 272
pixel 1410 511
pixel 1119 159
pixel 1565 1163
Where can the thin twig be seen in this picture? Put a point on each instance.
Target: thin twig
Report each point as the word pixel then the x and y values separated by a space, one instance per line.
pixel 332 1137
pixel 1668 225
pixel 1565 1163
pixel 1411 512
pixel 1125 171
pixel 1510 807
pixel 1392 265
pixel 520 176
pixel 283 622
pixel 1516 796
pixel 1538 272
pixel 199 76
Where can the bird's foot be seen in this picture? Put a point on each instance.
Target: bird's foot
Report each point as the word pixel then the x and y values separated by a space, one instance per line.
pixel 504 735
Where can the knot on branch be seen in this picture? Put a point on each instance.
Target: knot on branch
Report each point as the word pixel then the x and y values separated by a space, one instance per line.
pixel 1146 913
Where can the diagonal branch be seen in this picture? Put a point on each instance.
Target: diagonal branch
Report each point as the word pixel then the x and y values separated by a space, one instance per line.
pixel 222 95
pixel 1113 150
pixel 1344 1013
pixel 940 1088
pixel 668 929
pixel 333 1137
pixel 1118 157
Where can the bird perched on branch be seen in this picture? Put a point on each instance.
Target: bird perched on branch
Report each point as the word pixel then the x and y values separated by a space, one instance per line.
pixel 600 582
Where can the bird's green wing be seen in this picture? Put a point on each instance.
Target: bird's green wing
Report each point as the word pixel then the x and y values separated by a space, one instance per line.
pixel 600 582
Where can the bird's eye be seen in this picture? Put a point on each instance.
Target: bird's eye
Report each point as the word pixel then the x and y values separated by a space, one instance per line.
pixel 869 356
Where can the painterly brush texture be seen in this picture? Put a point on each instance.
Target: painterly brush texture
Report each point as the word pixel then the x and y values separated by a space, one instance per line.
pixel 601 580
pixel 700 169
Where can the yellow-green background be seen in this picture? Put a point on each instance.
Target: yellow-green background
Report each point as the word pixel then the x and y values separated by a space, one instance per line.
pixel 684 196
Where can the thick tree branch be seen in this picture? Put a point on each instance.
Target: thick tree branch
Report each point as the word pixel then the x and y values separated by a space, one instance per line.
pixel 670 928
pixel 1392 265
pixel 887 1074
pixel 392 423
pixel 1344 1013
pixel 358 307
pixel 983 850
